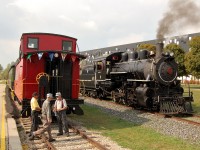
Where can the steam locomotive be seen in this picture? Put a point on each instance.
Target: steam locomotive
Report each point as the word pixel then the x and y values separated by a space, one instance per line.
pixel 136 79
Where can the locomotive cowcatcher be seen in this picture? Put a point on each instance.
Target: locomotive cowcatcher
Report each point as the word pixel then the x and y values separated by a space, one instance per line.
pixel 47 63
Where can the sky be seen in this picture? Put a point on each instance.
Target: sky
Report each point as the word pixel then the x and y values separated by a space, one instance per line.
pixel 95 23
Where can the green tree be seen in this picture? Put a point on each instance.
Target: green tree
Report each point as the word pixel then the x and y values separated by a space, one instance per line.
pixel 4 73
pixel 192 62
pixel 179 55
pixel 147 46
pixel 1 69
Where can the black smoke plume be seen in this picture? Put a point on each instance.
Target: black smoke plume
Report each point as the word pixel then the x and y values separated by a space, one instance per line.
pixel 181 14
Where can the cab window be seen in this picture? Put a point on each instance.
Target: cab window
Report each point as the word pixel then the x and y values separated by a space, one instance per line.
pixel 99 65
pixel 67 45
pixel 33 43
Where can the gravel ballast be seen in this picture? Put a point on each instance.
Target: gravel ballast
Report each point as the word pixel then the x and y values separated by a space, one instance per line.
pixel 166 126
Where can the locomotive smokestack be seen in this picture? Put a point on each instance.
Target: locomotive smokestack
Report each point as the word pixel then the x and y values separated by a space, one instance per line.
pixel 159 49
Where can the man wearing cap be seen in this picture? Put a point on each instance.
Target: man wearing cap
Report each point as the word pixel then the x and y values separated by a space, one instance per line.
pixel 35 109
pixel 60 109
pixel 46 119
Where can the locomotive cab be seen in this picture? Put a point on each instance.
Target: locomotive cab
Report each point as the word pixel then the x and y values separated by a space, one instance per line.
pixel 96 75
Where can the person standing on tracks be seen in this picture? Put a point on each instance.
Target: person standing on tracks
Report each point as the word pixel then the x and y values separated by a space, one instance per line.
pixel 46 119
pixel 60 108
pixel 35 109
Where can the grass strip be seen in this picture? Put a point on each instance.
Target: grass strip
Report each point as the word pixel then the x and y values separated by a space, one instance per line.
pixel 127 134
pixel 195 89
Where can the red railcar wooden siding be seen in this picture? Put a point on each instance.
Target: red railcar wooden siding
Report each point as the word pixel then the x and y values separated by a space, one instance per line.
pixel 27 70
pixel 48 42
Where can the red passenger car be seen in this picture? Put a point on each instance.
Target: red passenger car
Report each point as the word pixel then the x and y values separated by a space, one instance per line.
pixel 47 63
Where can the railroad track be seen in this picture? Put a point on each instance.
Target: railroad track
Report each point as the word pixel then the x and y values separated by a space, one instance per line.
pixel 193 119
pixel 79 139
pixel 39 142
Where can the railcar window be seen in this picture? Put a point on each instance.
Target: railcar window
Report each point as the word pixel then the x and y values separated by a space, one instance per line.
pixel 67 45
pixel 33 43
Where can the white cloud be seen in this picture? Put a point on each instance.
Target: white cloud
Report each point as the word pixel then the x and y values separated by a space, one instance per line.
pixel 91 25
pixel 95 23
pixel 131 38
pixel 66 18
pixel 9 51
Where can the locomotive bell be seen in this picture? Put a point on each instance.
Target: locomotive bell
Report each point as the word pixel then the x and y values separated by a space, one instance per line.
pixel 132 55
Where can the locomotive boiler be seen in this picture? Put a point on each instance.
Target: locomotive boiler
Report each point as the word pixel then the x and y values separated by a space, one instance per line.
pixel 137 79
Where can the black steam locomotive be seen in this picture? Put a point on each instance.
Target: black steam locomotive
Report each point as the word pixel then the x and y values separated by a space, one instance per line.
pixel 136 79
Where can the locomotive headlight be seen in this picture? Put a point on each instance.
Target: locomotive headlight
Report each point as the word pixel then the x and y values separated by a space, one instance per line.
pixel 171 54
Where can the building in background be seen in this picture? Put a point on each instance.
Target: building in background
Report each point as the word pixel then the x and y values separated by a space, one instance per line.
pixel 182 40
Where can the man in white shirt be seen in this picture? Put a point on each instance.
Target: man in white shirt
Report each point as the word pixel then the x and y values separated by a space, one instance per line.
pixel 60 110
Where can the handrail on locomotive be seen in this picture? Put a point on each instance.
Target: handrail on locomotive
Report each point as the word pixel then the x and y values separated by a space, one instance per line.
pixel 135 79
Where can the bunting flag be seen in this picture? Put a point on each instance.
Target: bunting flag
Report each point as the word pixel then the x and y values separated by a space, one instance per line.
pixel 56 55
pixel 40 55
pixel 51 56
pixel 29 57
pixel 73 58
pixel 63 56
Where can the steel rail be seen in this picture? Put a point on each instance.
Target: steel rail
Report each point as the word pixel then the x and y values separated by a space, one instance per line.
pixel 178 118
pixel 90 140
pixel 50 146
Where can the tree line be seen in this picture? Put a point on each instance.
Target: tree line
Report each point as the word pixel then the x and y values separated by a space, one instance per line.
pixel 4 72
pixel 188 62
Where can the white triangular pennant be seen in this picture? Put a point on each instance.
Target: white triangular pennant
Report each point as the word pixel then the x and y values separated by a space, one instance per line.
pixel 40 55
pixel 63 56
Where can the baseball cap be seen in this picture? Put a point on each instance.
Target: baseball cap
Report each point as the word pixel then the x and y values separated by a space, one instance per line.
pixel 58 94
pixel 50 95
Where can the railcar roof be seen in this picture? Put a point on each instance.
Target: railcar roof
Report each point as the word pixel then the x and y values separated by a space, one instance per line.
pixel 41 33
